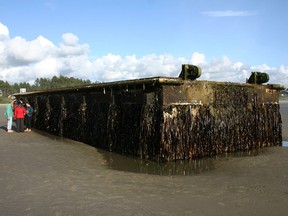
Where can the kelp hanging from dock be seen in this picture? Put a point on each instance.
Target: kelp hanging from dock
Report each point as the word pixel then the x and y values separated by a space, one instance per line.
pixel 201 134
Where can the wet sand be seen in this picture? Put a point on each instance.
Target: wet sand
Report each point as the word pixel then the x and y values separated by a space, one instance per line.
pixel 45 175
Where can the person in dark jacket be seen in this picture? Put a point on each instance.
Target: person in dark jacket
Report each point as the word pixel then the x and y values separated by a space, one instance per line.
pixel 29 111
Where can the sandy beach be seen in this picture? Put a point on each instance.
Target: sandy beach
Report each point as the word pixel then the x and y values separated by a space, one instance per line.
pixel 46 175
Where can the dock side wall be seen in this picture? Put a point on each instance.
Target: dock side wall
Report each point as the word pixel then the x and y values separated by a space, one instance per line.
pixel 126 122
pixel 205 118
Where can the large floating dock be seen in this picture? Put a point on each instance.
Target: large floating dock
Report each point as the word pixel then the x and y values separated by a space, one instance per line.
pixel 163 118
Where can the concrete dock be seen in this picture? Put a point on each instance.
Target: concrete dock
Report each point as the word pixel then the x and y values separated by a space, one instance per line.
pixel 45 175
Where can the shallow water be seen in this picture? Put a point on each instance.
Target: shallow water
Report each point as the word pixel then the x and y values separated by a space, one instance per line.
pixel 188 167
pixel 180 168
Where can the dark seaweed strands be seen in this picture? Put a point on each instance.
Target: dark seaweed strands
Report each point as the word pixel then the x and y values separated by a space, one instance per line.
pixel 202 134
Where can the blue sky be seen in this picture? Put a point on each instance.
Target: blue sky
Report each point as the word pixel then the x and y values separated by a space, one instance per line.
pixel 107 40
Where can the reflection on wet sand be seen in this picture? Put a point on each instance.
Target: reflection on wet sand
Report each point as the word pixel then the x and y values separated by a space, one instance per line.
pixel 189 167
pixel 183 167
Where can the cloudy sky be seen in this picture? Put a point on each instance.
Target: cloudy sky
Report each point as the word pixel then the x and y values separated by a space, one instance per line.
pixel 109 40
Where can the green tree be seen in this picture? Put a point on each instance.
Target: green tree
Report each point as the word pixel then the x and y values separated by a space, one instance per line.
pixel 42 84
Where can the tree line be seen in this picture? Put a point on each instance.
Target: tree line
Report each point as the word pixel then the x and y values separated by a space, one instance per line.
pixel 41 84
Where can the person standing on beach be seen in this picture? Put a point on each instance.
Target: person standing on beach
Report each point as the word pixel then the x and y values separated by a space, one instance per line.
pixel 9 116
pixel 19 114
pixel 29 110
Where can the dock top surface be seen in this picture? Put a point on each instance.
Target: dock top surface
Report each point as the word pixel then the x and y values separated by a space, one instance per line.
pixel 134 83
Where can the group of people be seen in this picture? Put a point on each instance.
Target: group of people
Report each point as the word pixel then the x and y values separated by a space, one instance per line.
pixel 21 112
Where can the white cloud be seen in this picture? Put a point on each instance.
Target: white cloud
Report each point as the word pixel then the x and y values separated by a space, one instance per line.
pixel 70 46
pixel 4 32
pixel 70 39
pixel 21 52
pixel 198 58
pixel 47 68
pixel 228 13
pixel 25 61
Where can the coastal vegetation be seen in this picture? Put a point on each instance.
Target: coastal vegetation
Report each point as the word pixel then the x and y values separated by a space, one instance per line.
pixel 7 89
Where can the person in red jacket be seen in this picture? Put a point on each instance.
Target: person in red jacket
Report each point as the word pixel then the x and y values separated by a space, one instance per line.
pixel 19 114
